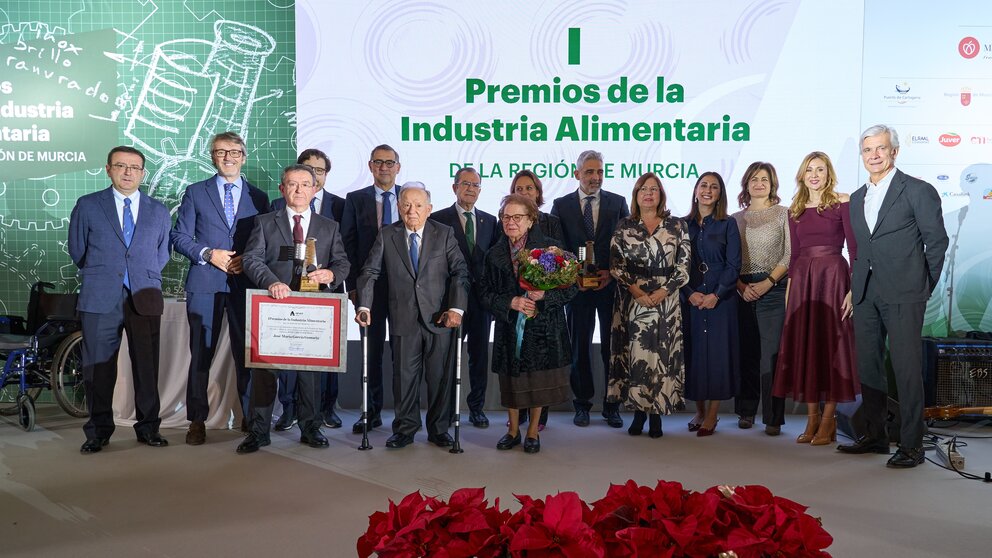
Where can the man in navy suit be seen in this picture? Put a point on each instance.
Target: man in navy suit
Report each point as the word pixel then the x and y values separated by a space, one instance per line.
pixel 119 239
pixel 267 265
pixel 899 227
pixel 591 214
pixel 365 212
pixel 475 232
pixel 212 226
pixel 330 206
pixel 428 293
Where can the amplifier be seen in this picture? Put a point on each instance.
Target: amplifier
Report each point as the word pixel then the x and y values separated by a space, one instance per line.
pixel 957 372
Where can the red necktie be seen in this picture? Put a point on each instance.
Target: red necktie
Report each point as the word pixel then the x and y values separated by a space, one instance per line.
pixel 297 229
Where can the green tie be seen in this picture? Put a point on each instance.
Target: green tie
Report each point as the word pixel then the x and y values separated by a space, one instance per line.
pixel 469 231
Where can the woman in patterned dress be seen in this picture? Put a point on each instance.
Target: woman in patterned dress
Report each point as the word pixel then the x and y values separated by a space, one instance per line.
pixel 649 258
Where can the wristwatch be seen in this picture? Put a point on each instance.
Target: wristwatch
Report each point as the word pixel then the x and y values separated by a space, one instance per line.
pixel 207 254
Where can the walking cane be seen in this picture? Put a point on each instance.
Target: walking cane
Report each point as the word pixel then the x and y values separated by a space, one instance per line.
pixel 365 389
pixel 457 446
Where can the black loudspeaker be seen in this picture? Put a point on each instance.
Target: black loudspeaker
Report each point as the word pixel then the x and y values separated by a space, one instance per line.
pixel 851 422
pixel 957 372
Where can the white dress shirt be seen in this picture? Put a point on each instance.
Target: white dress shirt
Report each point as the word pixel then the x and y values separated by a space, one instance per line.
pixel 873 198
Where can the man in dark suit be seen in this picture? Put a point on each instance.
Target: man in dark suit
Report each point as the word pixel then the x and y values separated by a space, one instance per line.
pixel 365 212
pixel 428 293
pixel 591 214
pixel 212 226
pixel 475 232
pixel 330 206
pixel 119 240
pixel 269 263
pixel 899 228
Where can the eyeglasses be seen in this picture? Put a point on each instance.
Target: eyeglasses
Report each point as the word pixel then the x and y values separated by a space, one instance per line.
pixel 515 218
pixel 234 153
pixel 121 167
pixel 318 171
pixel 468 184
pixel 388 162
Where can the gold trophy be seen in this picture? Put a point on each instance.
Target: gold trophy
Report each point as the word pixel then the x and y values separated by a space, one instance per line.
pixel 589 275
pixel 308 285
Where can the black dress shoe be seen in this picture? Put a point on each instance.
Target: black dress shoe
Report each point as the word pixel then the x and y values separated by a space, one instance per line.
pixel 252 443
pixel 373 423
pixel 442 440
pixel 397 441
pixel 532 445
pixel 332 420
pixel 154 440
pixel 508 442
pixel 865 445
pixel 906 458
pixel 197 434
pixel 654 427
pixel 285 422
pixel 93 445
pixel 313 438
pixel 582 418
pixel 613 418
pixel 637 425
pixel 478 419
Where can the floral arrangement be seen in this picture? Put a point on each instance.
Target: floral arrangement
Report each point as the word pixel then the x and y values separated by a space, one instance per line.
pixel 665 521
pixel 544 269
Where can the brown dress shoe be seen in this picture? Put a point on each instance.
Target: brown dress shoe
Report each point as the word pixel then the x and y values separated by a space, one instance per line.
pixel 197 434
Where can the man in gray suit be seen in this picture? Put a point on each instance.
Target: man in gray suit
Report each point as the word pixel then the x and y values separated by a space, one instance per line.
pixel 428 293
pixel 269 262
pixel 899 227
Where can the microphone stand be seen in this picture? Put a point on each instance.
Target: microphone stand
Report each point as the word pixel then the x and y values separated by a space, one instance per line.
pixel 365 390
pixel 457 446
pixel 951 258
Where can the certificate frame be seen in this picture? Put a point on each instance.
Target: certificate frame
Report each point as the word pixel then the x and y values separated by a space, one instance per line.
pixel 336 327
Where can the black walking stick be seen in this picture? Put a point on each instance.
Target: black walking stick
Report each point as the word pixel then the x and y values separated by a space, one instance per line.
pixel 457 446
pixel 365 389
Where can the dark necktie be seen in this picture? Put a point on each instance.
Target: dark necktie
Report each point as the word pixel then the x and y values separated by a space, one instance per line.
pixel 128 234
pixel 387 208
pixel 313 205
pixel 414 253
pixel 229 204
pixel 469 231
pixel 587 218
pixel 297 229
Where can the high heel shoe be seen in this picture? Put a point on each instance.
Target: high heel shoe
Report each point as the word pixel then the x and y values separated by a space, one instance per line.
pixel 826 433
pixel 703 431
pixel 693 425
pixel 654 426
pixel 637 425
pixel 812 424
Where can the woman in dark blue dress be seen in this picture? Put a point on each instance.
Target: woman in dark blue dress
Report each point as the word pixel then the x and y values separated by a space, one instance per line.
pixel 709 304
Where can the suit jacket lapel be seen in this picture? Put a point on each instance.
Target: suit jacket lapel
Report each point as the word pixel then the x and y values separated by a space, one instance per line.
pixel 282 223
pixel 399 244
pixel 895 190
pixel 456 225
pixel 857 207
pixel 244 203
pixel 109 206
pixel 326 208
pixel 215 197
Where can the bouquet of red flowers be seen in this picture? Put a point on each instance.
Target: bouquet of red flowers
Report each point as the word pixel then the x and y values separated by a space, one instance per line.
pixel 630 521
pixel 544 269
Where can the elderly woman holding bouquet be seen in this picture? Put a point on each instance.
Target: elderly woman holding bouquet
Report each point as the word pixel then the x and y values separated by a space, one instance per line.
pixel 649 257
pixel 526 283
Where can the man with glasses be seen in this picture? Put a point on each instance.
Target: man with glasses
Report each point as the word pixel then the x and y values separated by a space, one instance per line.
pixel 475 232
pixel 119 239
pixel 590 213
pixel 331 206
pixel 365 212
pixel 212 226
pixel 266 265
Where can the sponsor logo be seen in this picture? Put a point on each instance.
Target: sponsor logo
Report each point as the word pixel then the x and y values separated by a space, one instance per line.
pixel 949 140
pixel 987 195
pixel 942 177
pixel 902 88
pixel 901 96
pixel 980 140
pixel 965 96
pixel 954 194
pixel 969 47
pixel 970 178
pixel 919 140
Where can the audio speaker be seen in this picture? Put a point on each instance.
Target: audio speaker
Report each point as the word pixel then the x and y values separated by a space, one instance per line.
pixel 957 372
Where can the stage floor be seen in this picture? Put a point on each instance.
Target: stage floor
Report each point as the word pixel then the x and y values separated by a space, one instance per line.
pixel 133 500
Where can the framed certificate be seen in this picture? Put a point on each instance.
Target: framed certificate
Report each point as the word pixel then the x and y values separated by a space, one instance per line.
pixel 306 331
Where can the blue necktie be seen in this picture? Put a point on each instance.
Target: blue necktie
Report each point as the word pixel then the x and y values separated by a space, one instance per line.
pixel 313 205
pixel 128 234
pixel 387 208
pixel 587 218
pixel 414 253
pixel 229 204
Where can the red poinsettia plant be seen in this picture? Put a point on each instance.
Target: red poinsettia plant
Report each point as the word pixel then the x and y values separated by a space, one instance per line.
pixel 631 521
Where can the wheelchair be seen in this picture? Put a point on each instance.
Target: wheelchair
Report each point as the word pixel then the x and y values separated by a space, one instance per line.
pixel 44 353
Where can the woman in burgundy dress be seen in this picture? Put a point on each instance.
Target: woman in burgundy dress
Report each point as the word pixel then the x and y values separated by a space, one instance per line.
pixel 816 359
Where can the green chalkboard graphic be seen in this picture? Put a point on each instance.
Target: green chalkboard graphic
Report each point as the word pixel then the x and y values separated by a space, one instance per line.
pixel 174 73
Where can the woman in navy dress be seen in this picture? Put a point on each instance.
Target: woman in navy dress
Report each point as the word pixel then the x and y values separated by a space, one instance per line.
pixel 816 360
pixel 709 304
